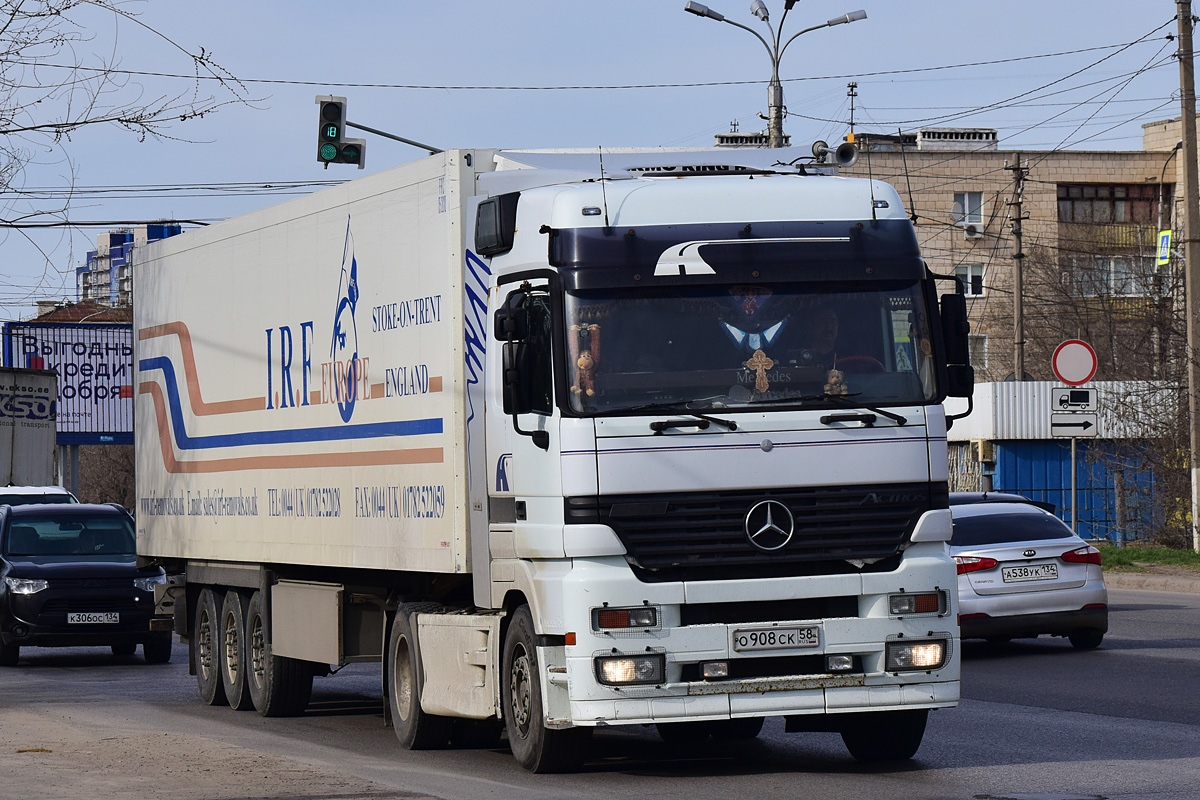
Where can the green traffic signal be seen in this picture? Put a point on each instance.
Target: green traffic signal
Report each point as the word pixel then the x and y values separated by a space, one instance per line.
pixel 328 153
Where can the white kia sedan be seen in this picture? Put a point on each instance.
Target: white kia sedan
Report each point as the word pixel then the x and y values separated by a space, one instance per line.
pixel 1023 573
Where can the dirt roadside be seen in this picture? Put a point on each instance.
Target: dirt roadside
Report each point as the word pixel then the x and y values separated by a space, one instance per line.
pixel 48 754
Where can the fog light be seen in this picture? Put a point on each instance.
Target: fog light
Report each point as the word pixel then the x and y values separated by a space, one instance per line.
pixel 924 603
pixel 839 663
pixel 623 670
pixel 610 618
pixel 711 670
pixel 20 631
pixel 906 656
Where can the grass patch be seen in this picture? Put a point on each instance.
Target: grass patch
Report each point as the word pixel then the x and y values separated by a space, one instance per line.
pixel 1127 559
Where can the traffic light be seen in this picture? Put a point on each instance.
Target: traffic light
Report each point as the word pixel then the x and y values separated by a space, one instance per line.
pixel 332 145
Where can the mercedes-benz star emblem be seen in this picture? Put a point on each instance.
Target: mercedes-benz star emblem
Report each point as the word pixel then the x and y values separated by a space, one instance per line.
pixel 769 525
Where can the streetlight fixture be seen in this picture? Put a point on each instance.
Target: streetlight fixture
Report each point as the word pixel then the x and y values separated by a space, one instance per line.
pixel 775 50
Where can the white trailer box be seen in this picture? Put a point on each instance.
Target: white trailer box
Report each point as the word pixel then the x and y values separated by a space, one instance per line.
pixel 301 394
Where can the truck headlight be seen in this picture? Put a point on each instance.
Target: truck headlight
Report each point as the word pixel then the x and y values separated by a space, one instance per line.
pixel 923 603
pixel 616 618
pixel 25 585
pixel 148 584
pixel 627 670
pixel 909 656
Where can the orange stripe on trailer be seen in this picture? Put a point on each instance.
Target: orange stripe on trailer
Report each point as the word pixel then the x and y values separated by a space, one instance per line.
pixel 199 407
pixel 365 458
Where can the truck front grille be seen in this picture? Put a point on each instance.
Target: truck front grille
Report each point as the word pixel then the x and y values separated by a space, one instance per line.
pixel 700 536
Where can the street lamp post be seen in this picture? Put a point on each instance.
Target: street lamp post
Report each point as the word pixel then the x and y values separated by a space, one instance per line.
pixel 775 50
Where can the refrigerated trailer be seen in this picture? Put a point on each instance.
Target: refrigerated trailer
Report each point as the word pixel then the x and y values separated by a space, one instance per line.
pixel 564 440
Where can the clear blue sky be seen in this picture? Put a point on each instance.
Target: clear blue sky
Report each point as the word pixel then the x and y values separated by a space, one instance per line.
pixel 710 73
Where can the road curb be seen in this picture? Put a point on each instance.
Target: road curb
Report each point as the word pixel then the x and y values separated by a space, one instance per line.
pixel 1152 582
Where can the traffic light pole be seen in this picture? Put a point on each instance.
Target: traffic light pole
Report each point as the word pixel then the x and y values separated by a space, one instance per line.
pixel 356 126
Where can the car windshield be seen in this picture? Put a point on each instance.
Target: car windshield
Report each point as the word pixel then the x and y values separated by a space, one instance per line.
pixel 980 529
pixel 32 499
pixel 740 345
pixel 69 535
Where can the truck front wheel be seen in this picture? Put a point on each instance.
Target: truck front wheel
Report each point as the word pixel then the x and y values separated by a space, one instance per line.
pixel 208 675
pixel 415 729
pixel 279 687
pixel 885 735
pixel 536 747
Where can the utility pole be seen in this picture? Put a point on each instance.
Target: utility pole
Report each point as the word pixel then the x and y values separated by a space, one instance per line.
pixel 1018 216
pixel 1191 244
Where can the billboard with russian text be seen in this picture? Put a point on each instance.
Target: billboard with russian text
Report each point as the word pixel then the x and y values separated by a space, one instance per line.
pixel 94 362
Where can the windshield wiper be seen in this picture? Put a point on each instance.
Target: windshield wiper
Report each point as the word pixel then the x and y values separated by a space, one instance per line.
pixel 828 418
pixel 836 398
pixel 701 421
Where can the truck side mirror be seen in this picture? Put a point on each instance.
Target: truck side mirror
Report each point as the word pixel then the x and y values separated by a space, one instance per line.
pixel 515 390
pixel 522 322
pixel 512 320
pixel 955 328
pixel 960 380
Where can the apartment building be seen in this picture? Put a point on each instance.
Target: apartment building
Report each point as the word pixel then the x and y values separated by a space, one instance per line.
pixel 107 275
pixel 1088 242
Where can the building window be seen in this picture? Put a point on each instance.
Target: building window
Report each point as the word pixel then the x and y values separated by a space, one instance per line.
pixel 1112 276
pixel 1116 204
pixel 972 277
pixel 968 207
pixel 977 350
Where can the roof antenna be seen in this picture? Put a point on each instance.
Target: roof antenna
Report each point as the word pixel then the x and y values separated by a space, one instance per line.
pixel 603 194
pixel 871 184
pixel 912 209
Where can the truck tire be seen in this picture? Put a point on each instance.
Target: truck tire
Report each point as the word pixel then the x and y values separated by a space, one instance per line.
pixel 208 674
pixel 10 654
pixel 683 733
pixel 737 729
pixel 232 650
pixel 1088 639
pixel 536 747
pixel 415 729
pixel 885 735
pixel 157 649
pixel 278 686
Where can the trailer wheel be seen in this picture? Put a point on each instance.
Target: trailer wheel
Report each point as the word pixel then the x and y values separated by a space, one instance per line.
pixel 232 650
pixel 157 649
pixel 536 747
pixel 278 686
pixel 885 735
pixel 415 729
pixel 208 675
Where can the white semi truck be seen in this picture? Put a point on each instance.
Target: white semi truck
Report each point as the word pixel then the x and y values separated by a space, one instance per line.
pixel 564 440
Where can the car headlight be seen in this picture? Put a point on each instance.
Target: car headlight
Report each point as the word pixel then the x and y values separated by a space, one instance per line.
pixel 147 584
pixel 26 585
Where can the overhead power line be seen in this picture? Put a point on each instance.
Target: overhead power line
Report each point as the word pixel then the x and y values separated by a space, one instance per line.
pixel 577 87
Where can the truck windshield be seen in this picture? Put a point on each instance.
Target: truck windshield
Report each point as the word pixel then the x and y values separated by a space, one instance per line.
pixel 738 346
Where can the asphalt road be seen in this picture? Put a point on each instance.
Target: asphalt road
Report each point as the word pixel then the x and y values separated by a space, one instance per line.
pixel 1038 719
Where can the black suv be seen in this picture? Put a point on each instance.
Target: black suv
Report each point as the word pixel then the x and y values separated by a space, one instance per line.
pixel 69 577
